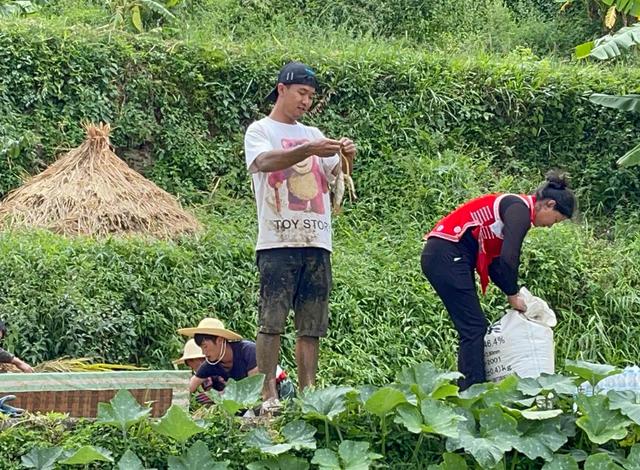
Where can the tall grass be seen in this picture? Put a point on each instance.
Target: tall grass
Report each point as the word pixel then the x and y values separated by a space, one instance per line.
pixel 460 26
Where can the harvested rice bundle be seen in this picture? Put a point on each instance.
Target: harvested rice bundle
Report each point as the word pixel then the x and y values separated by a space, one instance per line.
pixel 83 364
pixel 91 191
pixel 66 364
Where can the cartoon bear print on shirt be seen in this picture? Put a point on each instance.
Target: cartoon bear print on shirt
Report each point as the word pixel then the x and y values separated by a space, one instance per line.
pixel 305 181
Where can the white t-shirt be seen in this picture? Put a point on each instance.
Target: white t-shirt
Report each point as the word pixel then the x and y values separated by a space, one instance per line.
pixel 294 209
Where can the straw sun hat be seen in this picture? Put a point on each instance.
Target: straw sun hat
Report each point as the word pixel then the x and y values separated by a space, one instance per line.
pixel 191 351
pixel 213 327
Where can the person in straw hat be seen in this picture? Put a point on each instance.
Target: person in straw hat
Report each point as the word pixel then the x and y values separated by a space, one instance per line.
pixel 226 356
pixel 292 165
pixel 192 356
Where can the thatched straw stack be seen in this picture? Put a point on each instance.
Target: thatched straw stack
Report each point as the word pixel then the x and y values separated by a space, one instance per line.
pixel 90 191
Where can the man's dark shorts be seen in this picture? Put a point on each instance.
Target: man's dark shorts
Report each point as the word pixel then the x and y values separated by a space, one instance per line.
pixel 297 279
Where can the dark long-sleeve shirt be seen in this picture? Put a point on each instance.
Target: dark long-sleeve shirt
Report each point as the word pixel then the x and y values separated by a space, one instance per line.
pixel 517 221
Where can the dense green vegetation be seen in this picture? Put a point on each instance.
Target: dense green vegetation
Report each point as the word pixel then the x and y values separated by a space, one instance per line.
pixel 418 421
pixel 446 100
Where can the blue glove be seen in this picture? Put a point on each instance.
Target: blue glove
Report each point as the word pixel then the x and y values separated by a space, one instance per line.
pixel 8 409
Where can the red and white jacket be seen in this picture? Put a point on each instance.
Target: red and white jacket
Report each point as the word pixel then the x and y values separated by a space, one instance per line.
pixel 482 216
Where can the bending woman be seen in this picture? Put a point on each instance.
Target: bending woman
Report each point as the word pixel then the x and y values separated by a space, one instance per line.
pixel 486 234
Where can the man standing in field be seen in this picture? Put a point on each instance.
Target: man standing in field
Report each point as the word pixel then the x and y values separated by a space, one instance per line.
pixel 292 166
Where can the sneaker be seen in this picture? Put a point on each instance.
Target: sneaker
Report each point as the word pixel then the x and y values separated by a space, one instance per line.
pixel 272 406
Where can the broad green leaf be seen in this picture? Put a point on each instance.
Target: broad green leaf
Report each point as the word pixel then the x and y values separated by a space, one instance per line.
pixel 583 50
pixel 632 157
pixel 426 379
pixel 599 422
pixel 439 418
pixel 621 102
pixel 123 410
pixel 383 401
pixel 529 386
pixel 473 394
pixel 136 18
pixel 476 390
pixel 130 461
pixel 540 439
pixel 532 414
pixel 259 438
pixel 627 402
pixel 356 455
pixel 589 371
pixel 445 391
pixel 410 417
pixel 434 417
pixel 558 384
pixel 561 462
pixel 624 103
pixel 450 462
pixel 601 462
pixel 497 435
pixel 326 403
pixel 41 458
pixel 231 407
pixel 177 425
pixel 197 457
pixel 535 415
pixel 158 8
pixel 365 391
pixel 504 392
pixel 408 393
pixel 326 459
pixel 568 424
pixel 579 455
pixel 300 435
pixel 282 462
pixel 526 402
pixel 240 394
pixel 609 46
pixel 87 454
pixel 633 459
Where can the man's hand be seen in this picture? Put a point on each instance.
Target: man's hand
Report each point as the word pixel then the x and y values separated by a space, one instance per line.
pixel 349 151
pixel 517 302
pixel 323 148
pixel 23 366
pixel 348 148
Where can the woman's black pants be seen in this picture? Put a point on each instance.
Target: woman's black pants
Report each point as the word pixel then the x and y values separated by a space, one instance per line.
pixel 450 270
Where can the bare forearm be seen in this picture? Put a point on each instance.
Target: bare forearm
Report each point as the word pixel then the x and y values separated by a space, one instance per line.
pixel 23 366
pixel 194 383
pixel 280 159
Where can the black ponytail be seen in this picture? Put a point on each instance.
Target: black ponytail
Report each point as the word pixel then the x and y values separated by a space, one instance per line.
pixel 556 188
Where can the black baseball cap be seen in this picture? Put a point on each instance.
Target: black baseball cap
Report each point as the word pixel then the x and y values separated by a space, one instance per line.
pixel 294 73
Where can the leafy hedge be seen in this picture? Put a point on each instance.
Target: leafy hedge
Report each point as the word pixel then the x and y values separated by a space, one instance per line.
pixel 179 108
pixel 420 420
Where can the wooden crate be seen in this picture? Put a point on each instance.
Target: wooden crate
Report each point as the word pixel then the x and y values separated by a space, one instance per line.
pixel 79 393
